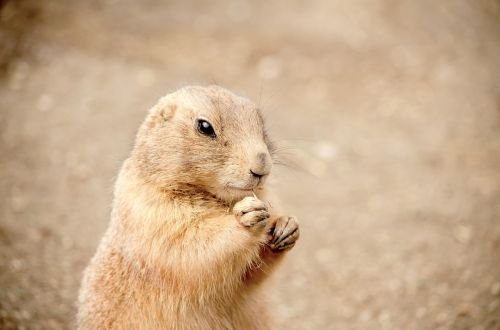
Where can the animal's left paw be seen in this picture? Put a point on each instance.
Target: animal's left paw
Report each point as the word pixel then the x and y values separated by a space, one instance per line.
pixel 283 234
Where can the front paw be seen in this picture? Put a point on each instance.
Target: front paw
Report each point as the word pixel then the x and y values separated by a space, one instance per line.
pixel 283 234
pixel 251 212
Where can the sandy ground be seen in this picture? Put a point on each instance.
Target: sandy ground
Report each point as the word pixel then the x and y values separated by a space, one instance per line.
pixel 391 108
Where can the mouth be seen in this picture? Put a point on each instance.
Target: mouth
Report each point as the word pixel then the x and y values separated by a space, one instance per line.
pixel 244 186
pixel 232 191
pixel 245 189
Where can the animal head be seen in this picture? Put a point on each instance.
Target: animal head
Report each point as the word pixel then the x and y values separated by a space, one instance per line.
pixel 207 139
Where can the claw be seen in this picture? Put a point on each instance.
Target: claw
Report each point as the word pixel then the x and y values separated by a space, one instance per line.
pixel 286 235
pixel 278 231
pixel 283 234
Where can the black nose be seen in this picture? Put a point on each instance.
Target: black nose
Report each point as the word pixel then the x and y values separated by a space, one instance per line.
pixel 257 175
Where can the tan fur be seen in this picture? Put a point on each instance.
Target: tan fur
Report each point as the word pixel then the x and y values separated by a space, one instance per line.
pixel 181 252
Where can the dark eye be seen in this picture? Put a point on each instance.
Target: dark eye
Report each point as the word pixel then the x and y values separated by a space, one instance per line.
pixel 205 128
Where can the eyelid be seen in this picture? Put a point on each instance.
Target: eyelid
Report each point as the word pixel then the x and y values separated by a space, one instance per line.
pixel 197 120
pixel 204 119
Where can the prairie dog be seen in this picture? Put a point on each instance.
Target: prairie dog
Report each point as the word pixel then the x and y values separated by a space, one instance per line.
pixel 193 233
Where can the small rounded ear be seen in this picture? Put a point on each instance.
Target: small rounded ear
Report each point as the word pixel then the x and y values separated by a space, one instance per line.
pixel 163 111
pixel 168 111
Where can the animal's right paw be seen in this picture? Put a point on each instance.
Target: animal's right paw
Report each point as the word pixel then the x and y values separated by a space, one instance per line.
pixel 251 212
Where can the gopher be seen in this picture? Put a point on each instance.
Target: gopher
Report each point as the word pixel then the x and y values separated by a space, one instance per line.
pixel 193 231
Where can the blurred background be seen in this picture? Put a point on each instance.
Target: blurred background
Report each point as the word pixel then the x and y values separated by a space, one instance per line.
pixel 391 108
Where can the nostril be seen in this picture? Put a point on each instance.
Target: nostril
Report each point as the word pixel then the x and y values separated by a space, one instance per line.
pixel 257 175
